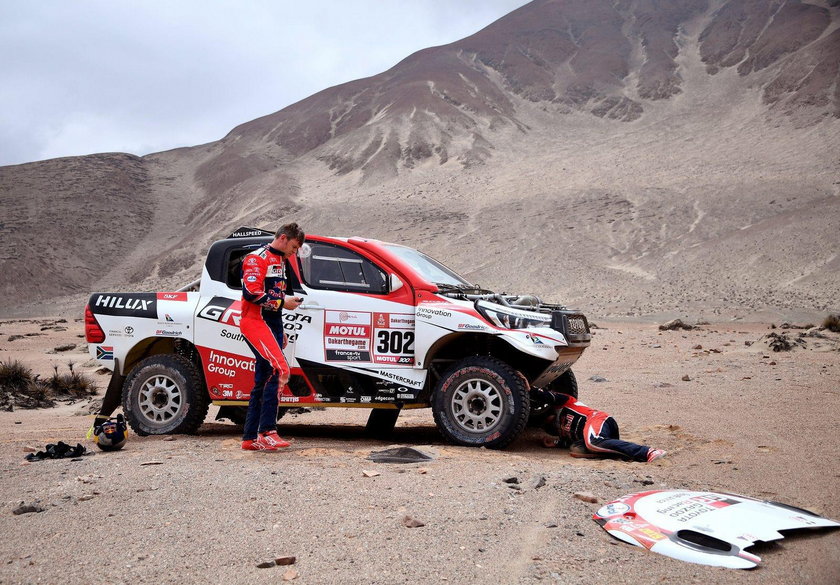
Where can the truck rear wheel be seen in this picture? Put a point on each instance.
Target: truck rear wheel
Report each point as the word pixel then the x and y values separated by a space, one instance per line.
pixel 163 395
pixel 481 402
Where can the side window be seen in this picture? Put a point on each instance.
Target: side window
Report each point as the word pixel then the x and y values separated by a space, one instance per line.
pixel 233 276
pixel 335 268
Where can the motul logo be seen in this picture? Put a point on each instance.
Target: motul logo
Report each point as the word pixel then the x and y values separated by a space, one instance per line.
pixel 347 330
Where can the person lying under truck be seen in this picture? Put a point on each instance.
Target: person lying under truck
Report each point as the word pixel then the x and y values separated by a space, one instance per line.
pixel 588 433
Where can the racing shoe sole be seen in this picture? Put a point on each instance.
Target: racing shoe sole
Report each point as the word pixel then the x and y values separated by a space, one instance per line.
pixel 579 451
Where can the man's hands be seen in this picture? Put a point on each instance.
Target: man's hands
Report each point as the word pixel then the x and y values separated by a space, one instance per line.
pixel 290 303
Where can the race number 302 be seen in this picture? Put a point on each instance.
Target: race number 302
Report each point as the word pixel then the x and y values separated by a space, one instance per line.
pixel 393 338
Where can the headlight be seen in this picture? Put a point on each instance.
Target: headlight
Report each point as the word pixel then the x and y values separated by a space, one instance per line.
pixel 509 318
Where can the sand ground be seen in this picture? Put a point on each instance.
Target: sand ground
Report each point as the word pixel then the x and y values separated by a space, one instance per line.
pixel 197 509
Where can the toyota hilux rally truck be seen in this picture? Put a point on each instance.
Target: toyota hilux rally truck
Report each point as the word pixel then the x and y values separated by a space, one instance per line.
pixel 382 326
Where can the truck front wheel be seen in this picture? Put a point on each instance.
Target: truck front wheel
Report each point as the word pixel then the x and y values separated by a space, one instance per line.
pixel 481 402
pixel 163 395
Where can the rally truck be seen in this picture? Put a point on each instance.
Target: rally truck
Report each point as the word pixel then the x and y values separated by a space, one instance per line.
pixel 382 326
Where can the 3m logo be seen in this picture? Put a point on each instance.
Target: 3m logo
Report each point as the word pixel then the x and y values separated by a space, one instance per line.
pixel 104 352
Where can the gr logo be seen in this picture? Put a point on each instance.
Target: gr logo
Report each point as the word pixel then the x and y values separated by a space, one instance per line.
pixel 222 310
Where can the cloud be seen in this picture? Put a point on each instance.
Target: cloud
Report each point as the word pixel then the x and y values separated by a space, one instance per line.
pixel 140 77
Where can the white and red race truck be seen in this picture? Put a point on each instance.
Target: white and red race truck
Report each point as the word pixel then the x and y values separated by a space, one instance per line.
pixel 382 326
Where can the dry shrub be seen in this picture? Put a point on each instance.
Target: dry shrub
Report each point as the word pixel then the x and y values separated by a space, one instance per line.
pixel 19 388
pixel 832 323
pixel 72 384
pixel 14 376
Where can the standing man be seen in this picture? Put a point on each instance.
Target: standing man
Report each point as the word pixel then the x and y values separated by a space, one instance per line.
pixel 264 296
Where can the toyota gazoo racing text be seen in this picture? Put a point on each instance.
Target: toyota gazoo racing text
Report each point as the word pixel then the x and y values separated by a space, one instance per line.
pixel 382 326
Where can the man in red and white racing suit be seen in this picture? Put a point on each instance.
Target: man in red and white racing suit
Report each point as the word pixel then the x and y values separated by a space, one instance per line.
pixel 589 432
pixel 264 296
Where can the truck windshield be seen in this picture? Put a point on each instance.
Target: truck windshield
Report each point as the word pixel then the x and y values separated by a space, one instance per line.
pixel 430 269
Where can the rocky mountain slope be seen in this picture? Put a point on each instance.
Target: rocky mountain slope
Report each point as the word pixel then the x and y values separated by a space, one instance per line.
pixel 628 157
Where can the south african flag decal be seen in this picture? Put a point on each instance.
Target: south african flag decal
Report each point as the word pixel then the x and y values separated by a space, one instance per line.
pixel 104 352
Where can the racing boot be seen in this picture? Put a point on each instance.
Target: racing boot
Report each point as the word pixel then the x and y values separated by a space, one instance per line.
pixel 272 441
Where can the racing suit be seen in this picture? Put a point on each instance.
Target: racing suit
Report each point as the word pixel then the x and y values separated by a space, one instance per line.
pixel 574 422
pixel 264 286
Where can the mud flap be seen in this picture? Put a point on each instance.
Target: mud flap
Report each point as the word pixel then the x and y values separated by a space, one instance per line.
pixel 113 395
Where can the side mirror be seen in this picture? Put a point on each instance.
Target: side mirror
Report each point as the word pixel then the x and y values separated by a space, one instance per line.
pixel 394 282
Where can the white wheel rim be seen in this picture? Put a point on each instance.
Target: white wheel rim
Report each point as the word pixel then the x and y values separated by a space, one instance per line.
pixel 160 399
pixel 477 406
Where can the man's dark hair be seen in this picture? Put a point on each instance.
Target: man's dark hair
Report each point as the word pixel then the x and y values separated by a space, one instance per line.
pixel 292 231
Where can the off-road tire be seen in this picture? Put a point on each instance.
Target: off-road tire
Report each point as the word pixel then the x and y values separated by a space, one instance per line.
pixel 481 402
pixel 163 395
pixel 565 383
pixel 381 422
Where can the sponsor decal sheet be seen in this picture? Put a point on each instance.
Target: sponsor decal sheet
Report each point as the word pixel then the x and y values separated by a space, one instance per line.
pixel 369 337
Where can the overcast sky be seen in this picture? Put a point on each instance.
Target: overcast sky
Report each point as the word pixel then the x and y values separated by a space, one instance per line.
pixel 85 76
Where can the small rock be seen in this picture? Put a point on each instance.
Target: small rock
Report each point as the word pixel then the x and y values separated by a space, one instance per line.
pixel 410 522
pixel 586 497
pixel 27 509
pixel 698 346
pixel 290 575
pixel 66 347
pixel 675 324
pixel 539 483
pixel 287 560
pixel 14 337
pixel 686 378
pixel 597 378
pixel 152 463
pixel 663 385
pixel 170 438
pixel 512 479
pixel 85 497
pixel 266 565
pixel 366 473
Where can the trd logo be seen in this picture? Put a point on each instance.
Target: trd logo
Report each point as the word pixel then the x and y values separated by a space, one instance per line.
pixel 222 310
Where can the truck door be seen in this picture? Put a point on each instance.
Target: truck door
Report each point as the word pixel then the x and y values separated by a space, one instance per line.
pixel 357 344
